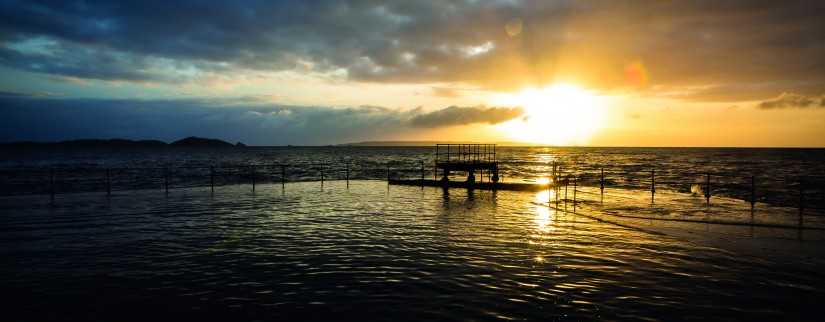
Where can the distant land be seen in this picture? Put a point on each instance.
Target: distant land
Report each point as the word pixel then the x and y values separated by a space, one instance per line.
pixel 432 143
pixel 189 141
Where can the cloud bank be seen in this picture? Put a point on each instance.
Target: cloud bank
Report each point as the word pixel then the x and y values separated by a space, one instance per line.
pixel 791 100
pixel 455 115
pixel 767 46
pixel 249 120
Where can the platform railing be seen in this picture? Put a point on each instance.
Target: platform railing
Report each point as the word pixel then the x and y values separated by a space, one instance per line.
pixel 804 194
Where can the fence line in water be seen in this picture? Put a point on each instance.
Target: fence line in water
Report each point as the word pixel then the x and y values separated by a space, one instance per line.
pixel 807 194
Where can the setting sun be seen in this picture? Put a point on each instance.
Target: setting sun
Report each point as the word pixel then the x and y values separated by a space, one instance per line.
pixel 562 114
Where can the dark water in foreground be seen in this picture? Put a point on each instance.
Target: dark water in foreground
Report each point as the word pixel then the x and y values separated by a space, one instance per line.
pixel 369 252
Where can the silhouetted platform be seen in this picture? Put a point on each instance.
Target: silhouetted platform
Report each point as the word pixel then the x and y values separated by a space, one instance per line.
pixel 468 167
pixel 513 186
pixel 467 158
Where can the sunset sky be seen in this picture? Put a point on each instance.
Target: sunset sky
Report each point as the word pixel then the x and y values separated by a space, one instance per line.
pixel 593 73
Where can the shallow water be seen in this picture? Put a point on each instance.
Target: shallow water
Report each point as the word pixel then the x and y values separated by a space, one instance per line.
pixel 368 252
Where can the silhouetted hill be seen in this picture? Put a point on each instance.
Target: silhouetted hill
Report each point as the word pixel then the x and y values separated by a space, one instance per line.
pixel 190 141
pixel 88 143
pixel 196 141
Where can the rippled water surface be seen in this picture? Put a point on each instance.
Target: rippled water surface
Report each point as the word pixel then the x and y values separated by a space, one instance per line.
pixel 368 252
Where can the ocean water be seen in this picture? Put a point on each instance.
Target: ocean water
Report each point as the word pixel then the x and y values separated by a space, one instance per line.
pixel 365 250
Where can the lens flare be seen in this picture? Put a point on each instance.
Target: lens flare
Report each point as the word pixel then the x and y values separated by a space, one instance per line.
pixel 513 26
pixel 637 75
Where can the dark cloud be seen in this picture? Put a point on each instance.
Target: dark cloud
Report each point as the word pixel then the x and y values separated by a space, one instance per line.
pixel 792 100
pixel 248 119
pixel 455 115
pixel 444 91
pixel 681 44
pixel 6 94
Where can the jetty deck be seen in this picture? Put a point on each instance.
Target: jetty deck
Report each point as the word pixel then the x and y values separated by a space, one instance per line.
pixel 472 158
pixel 510 186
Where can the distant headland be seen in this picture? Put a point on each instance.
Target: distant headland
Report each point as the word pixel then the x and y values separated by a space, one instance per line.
pixel 189 141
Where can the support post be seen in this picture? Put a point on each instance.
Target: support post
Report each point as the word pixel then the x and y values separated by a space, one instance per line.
pixel 322 177
pixel 566 184
pixel 575 187
pixel 707 189
pixel 283 177
pixel 801 203
pixel 108 183
pixel 753 192
pixel 212 178
pixel 388 172
pixel 253 178
pixel 601 182
pixel 166 179
pixel 652 184
pixel 51 183
pixel 347 175
pixel 422 173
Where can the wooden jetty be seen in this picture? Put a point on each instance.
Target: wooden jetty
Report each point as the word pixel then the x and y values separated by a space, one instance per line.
pixel 512 186
pixel 470 158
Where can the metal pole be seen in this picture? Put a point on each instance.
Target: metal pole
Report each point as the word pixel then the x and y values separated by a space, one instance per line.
pixel 707 189
pixel 347 174
pixel 422 171
pixel 602 182
pixel 322 177
pixel 652 184
pixel 801 203
pixel 51 183
pixel 575 186
pixel 212 178
pixel 283 177
pixel 108 183
pixel 166 178
pixel 388 172
pixel 753 191
pixel 253 178
pixel 566 184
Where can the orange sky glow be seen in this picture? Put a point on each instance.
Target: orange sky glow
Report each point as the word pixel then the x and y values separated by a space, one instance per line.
pixel 582 73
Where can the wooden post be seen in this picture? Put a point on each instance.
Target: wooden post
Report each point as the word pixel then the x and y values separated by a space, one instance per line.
pixel 753 191
pixel 108 183
pixel 575 187
pixel 166 178
pixel 212 178
pixel 707 189
pixel 566 184
pixel 253 178
pixel 51 183
pixel 801 203
pixel 652 184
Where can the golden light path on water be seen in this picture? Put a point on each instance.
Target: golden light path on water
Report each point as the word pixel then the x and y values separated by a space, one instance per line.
pixel 562 114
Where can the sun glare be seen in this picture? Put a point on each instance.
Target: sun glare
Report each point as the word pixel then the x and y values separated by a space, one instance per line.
pixel 562 114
